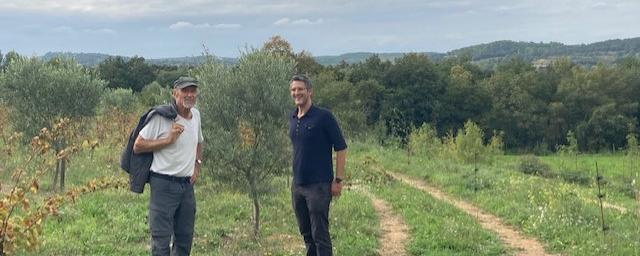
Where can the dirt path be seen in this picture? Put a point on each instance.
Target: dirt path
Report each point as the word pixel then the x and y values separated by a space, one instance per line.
pixel 509 236
pixel 395 232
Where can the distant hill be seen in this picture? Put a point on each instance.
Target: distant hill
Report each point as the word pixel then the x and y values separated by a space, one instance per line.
pixel 93 59
pixel 585 54
pixel 361 56
pixel 486 55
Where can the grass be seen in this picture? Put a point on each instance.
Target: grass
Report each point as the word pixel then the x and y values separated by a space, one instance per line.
pixel 113 222
pixel 562 215
pixel 436 228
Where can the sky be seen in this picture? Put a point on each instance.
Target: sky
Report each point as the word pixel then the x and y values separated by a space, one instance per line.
pixel 226 28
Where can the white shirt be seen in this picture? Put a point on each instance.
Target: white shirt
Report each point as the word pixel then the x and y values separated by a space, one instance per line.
pixel 177 159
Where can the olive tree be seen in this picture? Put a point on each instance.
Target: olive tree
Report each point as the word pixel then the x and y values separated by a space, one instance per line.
pixel 40 93
pixel 244 112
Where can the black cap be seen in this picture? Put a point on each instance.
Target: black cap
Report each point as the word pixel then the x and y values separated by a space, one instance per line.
pixel 185 81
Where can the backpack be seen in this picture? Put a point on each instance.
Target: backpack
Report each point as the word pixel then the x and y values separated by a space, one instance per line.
pixel 138 166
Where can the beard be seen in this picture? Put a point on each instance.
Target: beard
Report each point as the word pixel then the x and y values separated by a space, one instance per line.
pixel 188 103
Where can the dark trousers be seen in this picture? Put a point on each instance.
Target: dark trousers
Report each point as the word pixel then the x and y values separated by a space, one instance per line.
pixel 311 205
pixel 172 210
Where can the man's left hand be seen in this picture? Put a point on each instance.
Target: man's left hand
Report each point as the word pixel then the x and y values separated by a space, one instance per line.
pixel 336 188
pixel 194 177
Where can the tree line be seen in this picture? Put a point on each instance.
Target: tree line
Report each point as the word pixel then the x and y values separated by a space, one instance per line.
pixel 534 109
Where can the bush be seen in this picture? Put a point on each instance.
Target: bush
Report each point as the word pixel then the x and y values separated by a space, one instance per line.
pixel 576 177
pixel 154 94
pixel 532 165
pixel 120 98
pixel 40 92
pixel 469 145
pixel 425 141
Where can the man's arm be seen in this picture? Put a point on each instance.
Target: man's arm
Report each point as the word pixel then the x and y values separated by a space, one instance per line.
pixel 341 159
pixel 143 145
pixel 196 169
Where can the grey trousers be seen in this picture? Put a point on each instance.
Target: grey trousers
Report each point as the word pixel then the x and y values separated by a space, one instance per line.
pixel 311 205
pixel 172 210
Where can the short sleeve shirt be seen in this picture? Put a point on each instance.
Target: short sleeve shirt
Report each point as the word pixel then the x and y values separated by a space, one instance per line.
pixel 314 136
pixel 177 159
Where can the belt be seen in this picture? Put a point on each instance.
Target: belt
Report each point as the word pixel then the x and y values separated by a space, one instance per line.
pixel 186 179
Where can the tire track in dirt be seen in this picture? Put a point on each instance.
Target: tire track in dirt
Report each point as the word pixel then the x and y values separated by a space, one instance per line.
pixel 395 232
pixel 508 235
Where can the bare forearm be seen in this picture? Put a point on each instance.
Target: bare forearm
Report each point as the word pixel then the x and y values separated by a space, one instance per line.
pixel 142 145
pixel 341 159
pixel 199 151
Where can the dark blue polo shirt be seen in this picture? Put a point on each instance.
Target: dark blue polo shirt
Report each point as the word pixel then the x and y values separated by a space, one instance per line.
pixel 314 137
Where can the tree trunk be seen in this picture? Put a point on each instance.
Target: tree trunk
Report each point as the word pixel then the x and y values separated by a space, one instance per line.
pixel 55 176
pixel 63 168
pixel 256 208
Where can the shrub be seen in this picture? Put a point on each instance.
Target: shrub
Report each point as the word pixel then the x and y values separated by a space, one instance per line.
pixel 469 144
pixel 120 98
pixel 532 165
pixel 425 141
pixel 154 94
pixel 40 92
pixel 576 177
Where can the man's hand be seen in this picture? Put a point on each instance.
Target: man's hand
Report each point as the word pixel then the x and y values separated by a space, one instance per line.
pixel 336 188
pixel 196 172
pixel 176 130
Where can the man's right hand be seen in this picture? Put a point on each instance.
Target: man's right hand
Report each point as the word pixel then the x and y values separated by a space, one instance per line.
pixel 176 130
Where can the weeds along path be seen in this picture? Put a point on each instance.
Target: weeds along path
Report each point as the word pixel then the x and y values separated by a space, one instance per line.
pixel 607 205
pixel 394 230
pixel 509 236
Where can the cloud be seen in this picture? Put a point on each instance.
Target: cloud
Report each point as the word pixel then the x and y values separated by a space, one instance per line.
pixel 180 25
pixel 287 22
pixel 282 22
pixel 227 26
pixel 306 22
pixel 104 31
pixel 156 8
pixel 188 25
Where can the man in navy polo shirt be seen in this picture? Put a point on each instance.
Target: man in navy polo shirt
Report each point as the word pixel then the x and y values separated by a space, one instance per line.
pixel 315 134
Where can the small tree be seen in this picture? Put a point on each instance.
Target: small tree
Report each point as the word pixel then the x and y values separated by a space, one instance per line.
pixel 121 99
pixel 469 143
pixel 571 149
pixel 632 141
pixel 43 92
pixel 154 94
pixel 425 141
pixel 244 115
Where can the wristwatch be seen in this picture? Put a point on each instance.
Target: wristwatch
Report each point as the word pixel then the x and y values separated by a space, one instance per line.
pixel 199 161
pixel 338 180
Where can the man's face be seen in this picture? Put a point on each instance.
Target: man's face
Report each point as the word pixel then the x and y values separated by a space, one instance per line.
pixel 299 92
pixel 186 97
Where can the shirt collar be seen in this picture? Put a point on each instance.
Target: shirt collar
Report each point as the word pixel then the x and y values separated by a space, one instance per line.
pixel 309 112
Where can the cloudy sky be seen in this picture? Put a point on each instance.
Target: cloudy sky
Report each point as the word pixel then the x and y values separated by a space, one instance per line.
pixel 164 28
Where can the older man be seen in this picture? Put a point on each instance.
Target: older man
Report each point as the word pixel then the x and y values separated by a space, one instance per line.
pixel 176 146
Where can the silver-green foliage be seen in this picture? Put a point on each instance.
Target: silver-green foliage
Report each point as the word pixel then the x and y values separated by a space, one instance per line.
pixel 39 92
pixel 244 113
pixel 119 98
pixel 154 94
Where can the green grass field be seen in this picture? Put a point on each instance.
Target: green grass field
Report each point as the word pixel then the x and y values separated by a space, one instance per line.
pixel 562 215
